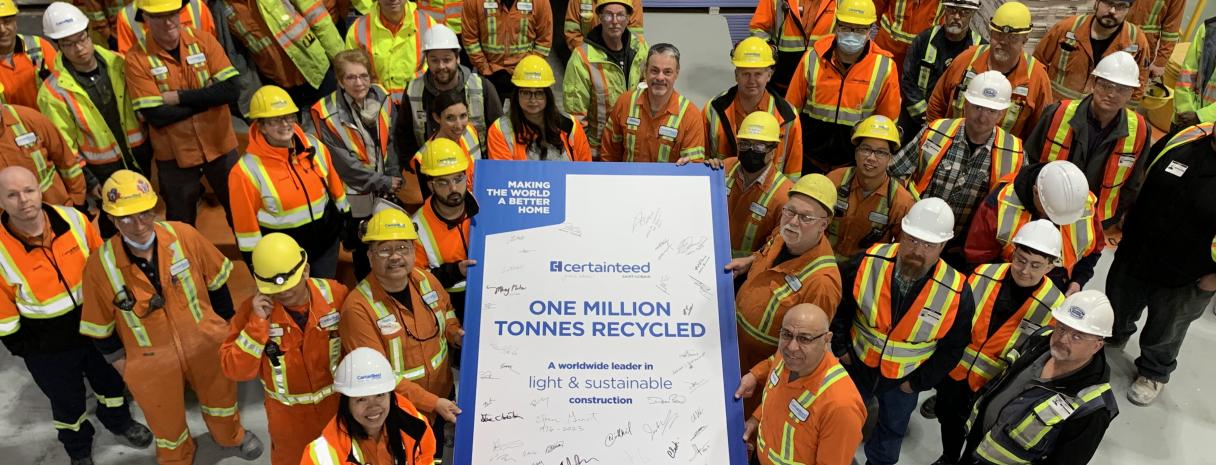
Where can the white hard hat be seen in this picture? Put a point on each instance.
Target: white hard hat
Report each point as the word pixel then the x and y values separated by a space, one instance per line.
pixel 440 37
pixel 967 4
pixel 1088 312
pixel 63 19
pixel 1041 236
pixel 364 372
pixel 1120 68
pixel 929 220
pixel 1063 191
pixel 989 89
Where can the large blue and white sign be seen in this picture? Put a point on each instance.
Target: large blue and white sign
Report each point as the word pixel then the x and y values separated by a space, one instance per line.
pixel 600 326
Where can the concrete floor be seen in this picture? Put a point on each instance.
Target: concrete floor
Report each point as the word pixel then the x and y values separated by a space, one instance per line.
pixel 1163 433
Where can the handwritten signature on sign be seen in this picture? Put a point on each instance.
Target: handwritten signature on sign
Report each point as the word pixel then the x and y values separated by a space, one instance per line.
pixel 661 426
pixel 647 222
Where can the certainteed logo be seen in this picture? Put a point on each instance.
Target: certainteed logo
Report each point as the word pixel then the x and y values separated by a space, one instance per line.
pixel 558 266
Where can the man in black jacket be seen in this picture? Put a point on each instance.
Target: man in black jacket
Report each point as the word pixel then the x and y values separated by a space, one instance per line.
pixel 1054 403
pixel 903 322
pixel 1167 259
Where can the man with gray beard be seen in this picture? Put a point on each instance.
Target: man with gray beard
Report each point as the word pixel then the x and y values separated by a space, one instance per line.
pixel 928 56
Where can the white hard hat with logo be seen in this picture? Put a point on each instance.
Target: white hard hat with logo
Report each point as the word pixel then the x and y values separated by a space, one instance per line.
pixel 929 220
pixel 1063 191
pixel 63 19
pixel 989 89
pixel 364 372
pixel 1041 236
pixel 1088 312
pixel 1120 68
pixel 440 37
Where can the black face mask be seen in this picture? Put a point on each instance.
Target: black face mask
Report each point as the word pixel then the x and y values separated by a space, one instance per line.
pixel 752 161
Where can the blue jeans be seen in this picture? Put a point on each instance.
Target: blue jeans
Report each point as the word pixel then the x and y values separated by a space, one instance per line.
pixel 894 411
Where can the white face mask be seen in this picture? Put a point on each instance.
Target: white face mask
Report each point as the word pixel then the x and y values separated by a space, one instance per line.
pixel 850 42
pixel 141 247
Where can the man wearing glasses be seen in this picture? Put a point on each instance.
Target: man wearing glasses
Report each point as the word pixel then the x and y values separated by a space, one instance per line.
pixel 46 248
pixel 1055 191
pixel 805 391
pixel 1100 135
pixel 600 69
pixel 403 312
pixel 443 220
pixel 1008 30
pixel 163 288
pixel 929 54
pixel 1013 300
pixel 1072 46
pixel 869 204
pixel 181 84
pixel 795 266
pixel 1054 402
pixel 904 323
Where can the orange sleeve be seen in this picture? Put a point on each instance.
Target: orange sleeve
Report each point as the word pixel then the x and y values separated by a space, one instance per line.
pixel 92 236
pixel 611 148
pixel 206 20
pixel 217 58
pixel 542 26
pixel 1045 51
pixel 840 422
pixel 824 291
pixel 124 34
pixel 470 35
pixel 97 309
pixel 49 52
pixel 1170 26
pixel 337 190
pixel 939 97
pixel 1041 95
pixel 574 37
pixel 762 19
pixel 760 371
pixel 69 166
pixel 692 134
pixel 420 260
pixel 244 201
pixel 1143 58
pixel 582 146
pixel 793 142
pixel 496 143
pixel 140 84
pixel 888 96
pixel 796 94
pixel 10 317
pixel 241 352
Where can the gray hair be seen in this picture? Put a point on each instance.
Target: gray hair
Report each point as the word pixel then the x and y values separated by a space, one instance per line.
pixel 665 49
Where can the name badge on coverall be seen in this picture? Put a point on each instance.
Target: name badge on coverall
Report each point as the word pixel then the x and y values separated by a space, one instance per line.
pixel 490 5
pixel 179 267
pixel 388 325
pixel 798 410
pixel 793 282
pixel 329 320
pixel 525 6
pixel 160 70
pixel 668 131
pixel 196 59
pixel 26 140
pixel 430 298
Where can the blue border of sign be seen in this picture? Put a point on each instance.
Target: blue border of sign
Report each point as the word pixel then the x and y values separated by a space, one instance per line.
pixel 495 173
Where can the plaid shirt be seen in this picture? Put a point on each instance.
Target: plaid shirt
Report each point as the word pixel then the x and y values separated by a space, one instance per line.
pixel 961 179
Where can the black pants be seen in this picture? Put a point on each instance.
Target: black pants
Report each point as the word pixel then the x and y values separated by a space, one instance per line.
pixel 502 84
pixel 60 375
pixel 181 188
pixel 954 400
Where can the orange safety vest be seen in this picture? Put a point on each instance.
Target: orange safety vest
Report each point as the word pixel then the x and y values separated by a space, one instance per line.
pixel 1007 156
pixel 832 98
pixel 879 218
pixel 1011 214
pixel 1017 101
pixel 439 243
pixel 984 358
pixel 898 349
pixel 332 105
pixel 773 182
pixel 1119 164
pixel 336 447
pixel 783 453
pixel 45 282
pixel 792 33
pixel 721 136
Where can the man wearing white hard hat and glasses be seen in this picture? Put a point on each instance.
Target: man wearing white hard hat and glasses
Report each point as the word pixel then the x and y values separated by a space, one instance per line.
pixel 1054 403
pixel 1100 135
pixel 374 424
pixel 1013 299
pixel 961 160
pixel 903 322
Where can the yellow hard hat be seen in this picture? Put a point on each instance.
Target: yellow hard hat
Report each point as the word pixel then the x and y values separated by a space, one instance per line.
pixel 856 12
pixel 441 157
pixel 127 193
pixel 390 225
pixel 1156 96
pixel 818 187
pixel 278 263
pixel 753 52
pixel 157 6
pixel 8 8
pixel 1011 18
pixel 601 3
pixel 533 72
pixel 760 125
pixel 270 101
pixel 877 127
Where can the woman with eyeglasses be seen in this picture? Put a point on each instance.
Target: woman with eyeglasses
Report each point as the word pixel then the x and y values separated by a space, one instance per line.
pixel 374 425
pixel 534 129
pixel 355 125
pixel 450 113
pixel 286 182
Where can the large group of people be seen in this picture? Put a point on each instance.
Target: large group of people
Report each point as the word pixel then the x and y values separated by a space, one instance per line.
pixel 914 204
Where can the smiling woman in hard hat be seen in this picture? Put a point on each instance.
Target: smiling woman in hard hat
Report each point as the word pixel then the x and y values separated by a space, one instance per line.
pixel 534 129
pixel 374 425
pixel 1054 402
pixel 286 182
pixel 287 335
pixel 904 322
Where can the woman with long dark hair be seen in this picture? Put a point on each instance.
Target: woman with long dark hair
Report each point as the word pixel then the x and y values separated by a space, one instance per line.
pixel 534 129
pixel 374 425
